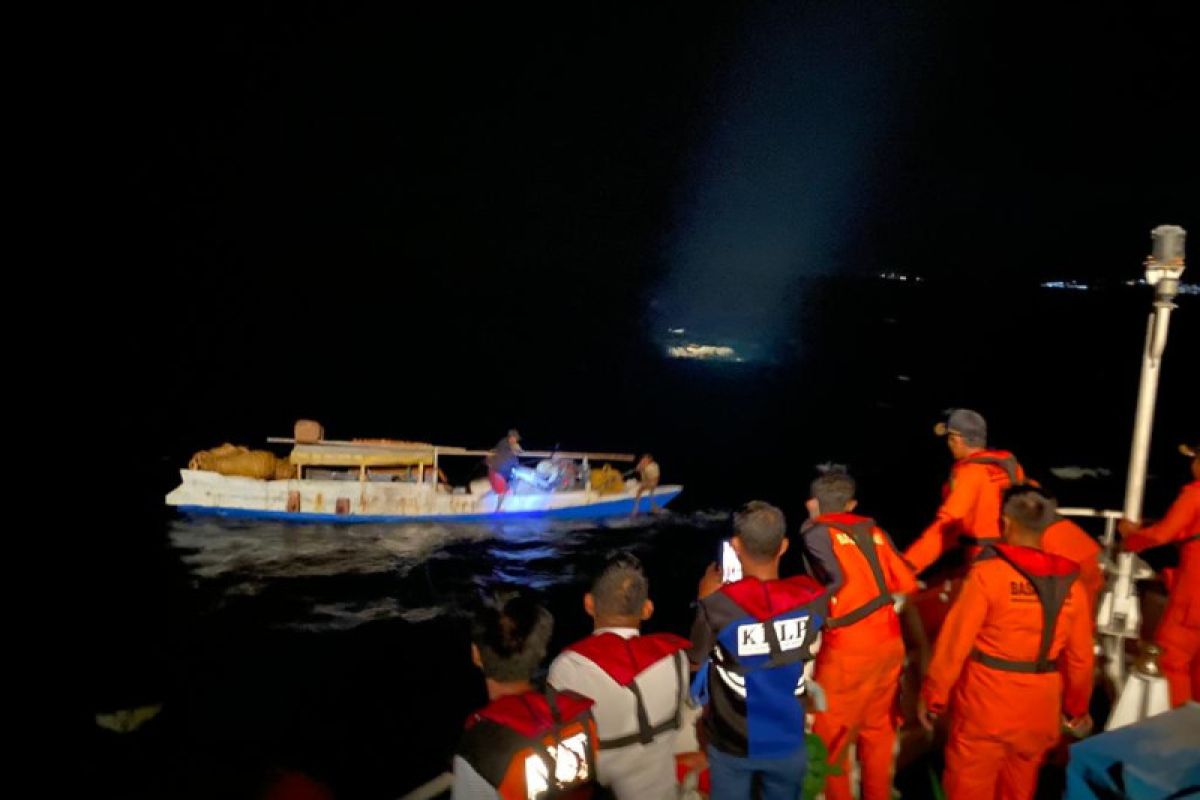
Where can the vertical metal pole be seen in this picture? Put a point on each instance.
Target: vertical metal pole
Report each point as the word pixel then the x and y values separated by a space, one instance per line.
pixel 1119 616
pixel 1163 269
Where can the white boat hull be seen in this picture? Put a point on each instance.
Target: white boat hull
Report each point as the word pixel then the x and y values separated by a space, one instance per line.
pixel 212 494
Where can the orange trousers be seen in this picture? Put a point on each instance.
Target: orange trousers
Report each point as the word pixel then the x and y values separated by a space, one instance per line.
pixel 860 686
pixel 1180 660
pixel 982 768
pixel 1002 727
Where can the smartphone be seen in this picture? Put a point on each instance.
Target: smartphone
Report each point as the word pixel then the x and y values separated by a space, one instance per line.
pixel 731 567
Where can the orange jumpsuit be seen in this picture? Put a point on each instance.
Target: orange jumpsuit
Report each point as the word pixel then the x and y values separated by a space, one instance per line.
pixel 1178 633
pixel 1003 722
pixel 862 651
pixel 970 511
pixel 1065 538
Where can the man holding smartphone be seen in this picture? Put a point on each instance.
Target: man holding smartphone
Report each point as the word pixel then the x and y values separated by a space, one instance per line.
pixel 750 641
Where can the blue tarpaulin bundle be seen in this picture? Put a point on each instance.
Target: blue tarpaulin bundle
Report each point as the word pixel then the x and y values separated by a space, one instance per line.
pixel 1156 759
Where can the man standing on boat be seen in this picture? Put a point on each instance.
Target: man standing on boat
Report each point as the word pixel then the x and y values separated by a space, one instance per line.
pixel 639 684
pixel 970 511
pixel 500 464
pixel 1065 538
pixel 751 640
pixel 1014 662
pixel 1178 633
pixel 862 655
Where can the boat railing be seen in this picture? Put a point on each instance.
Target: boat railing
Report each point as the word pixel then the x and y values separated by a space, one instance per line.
pixel 1110 520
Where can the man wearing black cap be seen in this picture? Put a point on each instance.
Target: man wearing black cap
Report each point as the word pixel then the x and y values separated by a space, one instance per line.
pixel 1179 632
pixel 970 511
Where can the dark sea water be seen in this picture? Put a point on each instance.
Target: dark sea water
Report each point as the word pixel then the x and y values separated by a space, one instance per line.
pixel 342 651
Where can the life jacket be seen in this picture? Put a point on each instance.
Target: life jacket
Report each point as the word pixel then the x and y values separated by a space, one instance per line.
pixel 1016 477
pixel 624 660
pixel 1051 577
pixel 533 746
pixel 862 532
pixel 764 634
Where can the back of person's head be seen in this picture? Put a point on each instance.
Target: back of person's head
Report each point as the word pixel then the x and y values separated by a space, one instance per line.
pixel 511 632
pixel 1030 508
pixel 621 589
pixel 833 489
pixel 761 528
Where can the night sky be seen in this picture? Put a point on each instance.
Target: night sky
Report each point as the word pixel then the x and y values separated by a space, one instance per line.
pixel 487 179
pixel 470 157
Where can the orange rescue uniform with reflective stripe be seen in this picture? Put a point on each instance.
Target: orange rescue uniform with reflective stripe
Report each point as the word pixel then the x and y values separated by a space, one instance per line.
pixel 970 508
pixel 1003 722
pixel 1178 633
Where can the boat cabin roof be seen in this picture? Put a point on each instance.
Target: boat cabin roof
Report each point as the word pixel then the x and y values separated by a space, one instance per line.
pixel 410 454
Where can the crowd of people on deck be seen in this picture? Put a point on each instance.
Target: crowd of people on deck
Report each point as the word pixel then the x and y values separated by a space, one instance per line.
pixel 1010 673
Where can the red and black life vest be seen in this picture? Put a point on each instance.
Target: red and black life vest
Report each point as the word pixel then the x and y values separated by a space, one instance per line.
pixel 624 660
pixel 1051 577
pixel 533 746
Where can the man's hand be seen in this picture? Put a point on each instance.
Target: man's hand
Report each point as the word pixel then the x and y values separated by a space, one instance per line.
pixel 1079 727
pixel 925 716
pixel 1127 527
pixel 711 582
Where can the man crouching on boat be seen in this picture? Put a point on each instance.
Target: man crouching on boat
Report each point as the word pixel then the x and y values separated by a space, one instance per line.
pixel 500 464
pixel 639 684
pixel 648 476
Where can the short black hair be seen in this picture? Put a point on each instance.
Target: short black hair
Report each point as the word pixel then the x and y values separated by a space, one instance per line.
pixel 621 588
pixel 833 489
pixel 512 632
pixel 1030 507
pixel 761 527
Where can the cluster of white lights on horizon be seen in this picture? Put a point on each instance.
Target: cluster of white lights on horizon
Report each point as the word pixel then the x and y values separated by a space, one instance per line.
pixel 1184 288
pixel 704 352
pixel 1082 287
pixel 899 276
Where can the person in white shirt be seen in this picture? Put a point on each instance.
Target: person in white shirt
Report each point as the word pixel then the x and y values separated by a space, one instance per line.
pixel 639 684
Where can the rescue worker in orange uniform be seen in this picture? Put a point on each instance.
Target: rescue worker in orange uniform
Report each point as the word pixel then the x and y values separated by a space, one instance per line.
pixel 1014 662
pixel 970 510
pixel 1178 633
pixel 1065 538
pixel 860 660
pixel 524 744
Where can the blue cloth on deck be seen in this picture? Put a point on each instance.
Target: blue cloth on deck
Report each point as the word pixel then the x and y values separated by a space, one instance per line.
pixel 1156 759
